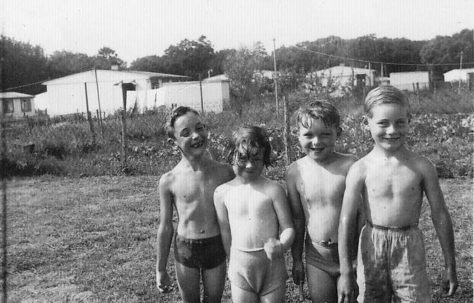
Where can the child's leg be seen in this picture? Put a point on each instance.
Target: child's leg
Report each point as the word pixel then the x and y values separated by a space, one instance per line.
pixel 322 270
pixel 373 267
pixel 213 281
pixel 188 282
pixel 276 296
pixel 240 295
pixel 322 287
pixel 409 278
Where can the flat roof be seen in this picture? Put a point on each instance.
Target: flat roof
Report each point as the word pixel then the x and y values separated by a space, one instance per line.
pixel 13 95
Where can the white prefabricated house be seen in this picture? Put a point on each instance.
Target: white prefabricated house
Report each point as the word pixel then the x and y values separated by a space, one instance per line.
pixel 100 88
pixel 342 75
pixel 221 77
pixel 16 105
pixel 456 75
pixel 410 80
pixel 215 95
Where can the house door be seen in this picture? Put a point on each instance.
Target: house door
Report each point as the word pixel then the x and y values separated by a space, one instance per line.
pixel 360 80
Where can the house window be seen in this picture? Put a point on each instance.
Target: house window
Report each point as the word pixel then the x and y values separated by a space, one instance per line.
pixel 7 106
pixel 25 105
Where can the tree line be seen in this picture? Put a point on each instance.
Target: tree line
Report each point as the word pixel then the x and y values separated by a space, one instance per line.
pixel 23 63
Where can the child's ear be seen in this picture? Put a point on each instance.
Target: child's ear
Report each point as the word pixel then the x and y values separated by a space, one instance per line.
pixel 338 131
pixel 170 141
pixel 365 122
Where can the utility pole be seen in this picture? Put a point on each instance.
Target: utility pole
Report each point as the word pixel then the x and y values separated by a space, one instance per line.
pixel 123 150
pixel 460 73
pixel 200 89
pixel 370 77
pixel 3 171
pixel 98 101
pixel 275 77
pixel 89 118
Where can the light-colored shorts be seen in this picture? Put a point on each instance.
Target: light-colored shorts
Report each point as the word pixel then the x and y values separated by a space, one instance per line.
pixel 391 262
pixel 323 257
pixel 253 271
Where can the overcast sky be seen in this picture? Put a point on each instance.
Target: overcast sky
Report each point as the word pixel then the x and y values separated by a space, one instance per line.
pixel 147 27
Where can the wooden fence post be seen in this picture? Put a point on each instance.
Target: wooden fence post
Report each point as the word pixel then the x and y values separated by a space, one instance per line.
pixel 89 118
pixel 123 151
pixel 286 135
pixel 3 172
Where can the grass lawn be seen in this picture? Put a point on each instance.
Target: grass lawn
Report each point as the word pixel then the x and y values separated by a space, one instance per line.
pixel 93 240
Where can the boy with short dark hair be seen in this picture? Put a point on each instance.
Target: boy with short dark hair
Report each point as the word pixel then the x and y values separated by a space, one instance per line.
pixel 315 185
pixel 392 181
pixel 189 188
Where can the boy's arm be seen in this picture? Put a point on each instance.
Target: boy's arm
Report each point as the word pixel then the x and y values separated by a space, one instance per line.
pixel 347 286
pixel 164 234
pixel 299 224
pixel 223 219
pixel 442 223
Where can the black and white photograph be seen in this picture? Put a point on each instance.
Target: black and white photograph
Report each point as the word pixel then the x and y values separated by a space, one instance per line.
pixel 236 151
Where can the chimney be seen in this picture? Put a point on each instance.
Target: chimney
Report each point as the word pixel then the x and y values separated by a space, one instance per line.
pixel 114 67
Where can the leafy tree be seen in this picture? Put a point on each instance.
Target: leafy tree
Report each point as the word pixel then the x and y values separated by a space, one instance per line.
pixel 446 49
pixel 62 63
pixel 106 57
pixel 190 58
pixel 219 59
pixel 155 64
pixel 240 68
pixel 21 64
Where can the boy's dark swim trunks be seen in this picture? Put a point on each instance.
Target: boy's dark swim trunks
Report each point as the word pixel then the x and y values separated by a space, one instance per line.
pixel 204 253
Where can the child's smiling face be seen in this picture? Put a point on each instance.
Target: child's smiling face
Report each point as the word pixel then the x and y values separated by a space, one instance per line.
pixel 190 134
pixel 388 124
pixel 318 140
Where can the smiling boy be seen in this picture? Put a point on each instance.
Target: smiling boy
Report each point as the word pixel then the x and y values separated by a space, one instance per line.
pixel 189 188
pixel 392 181
pixel 315 186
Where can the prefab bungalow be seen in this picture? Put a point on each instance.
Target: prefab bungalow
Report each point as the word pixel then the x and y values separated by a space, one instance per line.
pixel 212 95
pixel 410 80
pixel 100 89
pixel 342 75
pixel 16 105
pixel 456 75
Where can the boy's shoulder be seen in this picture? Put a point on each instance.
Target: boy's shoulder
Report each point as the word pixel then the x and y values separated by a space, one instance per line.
pixel 345 160
pixel 422 164
pixel 272 187
pixel 361 165
pixel 224 187
pixel 295 166
pixel 167 178
pixel 221 168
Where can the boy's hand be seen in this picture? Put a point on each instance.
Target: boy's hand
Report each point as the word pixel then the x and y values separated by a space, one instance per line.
pixel 273 248
pixel 450 284
pixel 298 272
pixel 347 289
pixel 163 282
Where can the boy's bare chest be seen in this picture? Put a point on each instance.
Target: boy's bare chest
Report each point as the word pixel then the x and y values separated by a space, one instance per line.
pixel 193 186
pixel 320 187
pixel 390 181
